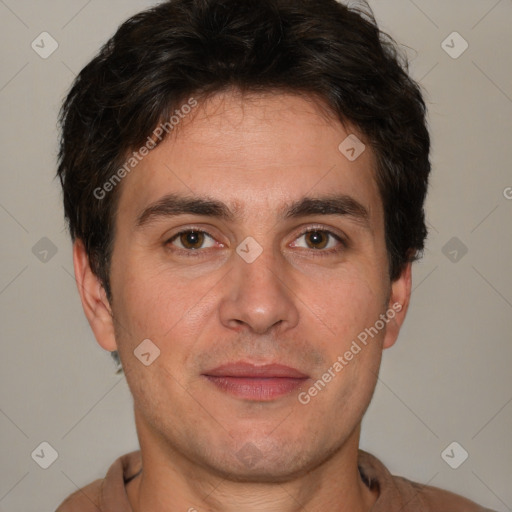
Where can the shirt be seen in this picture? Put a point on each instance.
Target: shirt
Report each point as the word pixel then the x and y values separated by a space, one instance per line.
pixel 396 494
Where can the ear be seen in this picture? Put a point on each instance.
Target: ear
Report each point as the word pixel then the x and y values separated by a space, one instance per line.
pixel 398 304
pixel 94 299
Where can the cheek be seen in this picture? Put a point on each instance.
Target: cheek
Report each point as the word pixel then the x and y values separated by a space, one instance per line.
pixel 153 303
pixel 352 305
pixel 355 312
pixel 349 302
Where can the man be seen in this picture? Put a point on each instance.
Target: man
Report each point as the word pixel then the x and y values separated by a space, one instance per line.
pixel 244 184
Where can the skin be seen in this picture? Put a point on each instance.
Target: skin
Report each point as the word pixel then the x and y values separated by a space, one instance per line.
pixel 291 306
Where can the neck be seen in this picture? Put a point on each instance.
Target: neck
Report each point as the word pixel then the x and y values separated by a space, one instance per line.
pixel 172 483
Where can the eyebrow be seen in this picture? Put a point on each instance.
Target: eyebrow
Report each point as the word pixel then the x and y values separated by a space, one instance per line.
pixel 173 205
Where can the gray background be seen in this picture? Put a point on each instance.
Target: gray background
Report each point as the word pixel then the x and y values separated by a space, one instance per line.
pixel 448 377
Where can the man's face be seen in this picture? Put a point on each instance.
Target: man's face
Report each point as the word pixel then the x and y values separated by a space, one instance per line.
pixel 300 303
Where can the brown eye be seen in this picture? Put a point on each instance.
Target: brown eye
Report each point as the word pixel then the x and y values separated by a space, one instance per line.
pixel 191 239
pixel 321 240
pixel 317 239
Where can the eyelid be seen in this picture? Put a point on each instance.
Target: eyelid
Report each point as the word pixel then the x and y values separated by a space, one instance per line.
pixel 341 238
pixel 188 229
pixel 322 228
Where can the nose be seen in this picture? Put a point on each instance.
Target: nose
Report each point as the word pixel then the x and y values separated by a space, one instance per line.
pixel 258 296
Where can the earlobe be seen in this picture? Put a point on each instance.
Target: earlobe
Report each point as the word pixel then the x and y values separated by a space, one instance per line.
pixel 94 299
pixel 398 305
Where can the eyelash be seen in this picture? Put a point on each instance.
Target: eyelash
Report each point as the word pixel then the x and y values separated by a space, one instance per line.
pixel 317 252
pixel 325 252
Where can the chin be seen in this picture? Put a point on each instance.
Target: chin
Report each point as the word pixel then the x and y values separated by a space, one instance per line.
pixel 268 460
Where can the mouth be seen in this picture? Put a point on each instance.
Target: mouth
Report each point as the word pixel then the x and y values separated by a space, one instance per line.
pixel 258 383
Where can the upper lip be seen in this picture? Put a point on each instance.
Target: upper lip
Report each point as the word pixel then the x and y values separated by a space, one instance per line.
pixel 248 370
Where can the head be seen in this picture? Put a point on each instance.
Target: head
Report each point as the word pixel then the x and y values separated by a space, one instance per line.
pixel 229 120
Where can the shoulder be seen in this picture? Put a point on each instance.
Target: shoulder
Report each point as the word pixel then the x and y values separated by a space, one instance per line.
pixel 86 499
pixel 435 499
pixel 100 494
pixel 398 493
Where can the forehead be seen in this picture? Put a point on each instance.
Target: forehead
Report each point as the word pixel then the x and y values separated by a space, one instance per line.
pixel 255 153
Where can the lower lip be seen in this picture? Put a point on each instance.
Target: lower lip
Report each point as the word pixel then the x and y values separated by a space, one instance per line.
pixel 257 388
